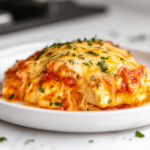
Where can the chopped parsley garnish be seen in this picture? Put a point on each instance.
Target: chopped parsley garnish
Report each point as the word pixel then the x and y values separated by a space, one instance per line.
pixel 104 58
pixel 100 42
pixel 41 90
pixel 58 97
pixel 67 53
pixel 49 53
pixel 2 139
pixel 90 42
pixel 74 48
pixel 87 109
pixel 103 67
pixel 71 61
pixel 83 48
pixel 93 53
pixel 53 56
pixel 91 141
pixel 92 77
pixel 69 46
pixel 58 103
pixel 109 101
pixel 51 103
pixel 98 64
pixel 122 58
pixel 85 39
pixel 86 64
pixel 52 86
pixel 39 82
pixel 104 52
pixel 34 64
pixel 115 75
pixel 46 48
pixel 98 85
pixel 73 54
pixel 79 40
pixel 29 84
pixel 80 56
pixel 94 38
pixel 139 134
pixel 12 96
pixel 32 56
pixel 42 52
pixel 91 62
pixel 77 76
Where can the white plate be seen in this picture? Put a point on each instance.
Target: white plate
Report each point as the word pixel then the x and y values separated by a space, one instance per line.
pixel 99 121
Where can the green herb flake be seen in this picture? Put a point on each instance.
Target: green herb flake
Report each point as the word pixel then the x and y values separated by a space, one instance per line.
pixel 73 54
pixel 83 48
pixel 93 79
pixel 139 134
pixel 91 62
pixel 12 96
pixel 104 52
pixel 86 64
pixel 67 53
pixel 39 82
pixel 98 85
pixel 49 53
pixel 34 64
pixel 78 40
pixel 51 103
pixel 80 56
pixel 71 61
pixel 93 53
pixel 41 89
pixel 87 109
pixel 115 75
pixel 109 101
pixel 77 76
pixel 103 67
pixel 53 56
pixel 29 84
pixel 100 42
pixel 122 58
pixel 58 103
pixel 52 86
pixel 85 39
pixel 58 97
pixel 2 139
pixel 69 46
pixel 91 141
pixel 90 42
pixel 98 64
pixel 46 48
pixel 95 38
pixel 104 58
pixel 32 56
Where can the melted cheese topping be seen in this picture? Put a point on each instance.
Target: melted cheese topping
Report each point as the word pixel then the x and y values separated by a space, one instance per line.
pixel 79 76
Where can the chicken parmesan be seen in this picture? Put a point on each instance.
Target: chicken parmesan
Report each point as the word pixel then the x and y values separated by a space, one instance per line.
pixel 82 75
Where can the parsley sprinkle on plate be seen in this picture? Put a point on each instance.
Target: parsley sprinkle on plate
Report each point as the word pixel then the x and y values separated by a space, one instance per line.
pixel 139 134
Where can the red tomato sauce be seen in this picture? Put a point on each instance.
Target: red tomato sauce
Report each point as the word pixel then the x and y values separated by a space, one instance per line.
pixel 130 77
pixel 69 81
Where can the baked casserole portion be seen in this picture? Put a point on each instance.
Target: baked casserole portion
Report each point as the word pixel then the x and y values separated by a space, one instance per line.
pixel 79 75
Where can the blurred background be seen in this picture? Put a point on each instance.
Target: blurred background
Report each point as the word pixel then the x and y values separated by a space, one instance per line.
pixel 26 21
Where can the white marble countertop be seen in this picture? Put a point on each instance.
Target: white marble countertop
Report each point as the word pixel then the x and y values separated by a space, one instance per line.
pixel 125 22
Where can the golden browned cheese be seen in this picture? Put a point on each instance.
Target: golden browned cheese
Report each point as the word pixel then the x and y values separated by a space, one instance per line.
pixel 79 75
